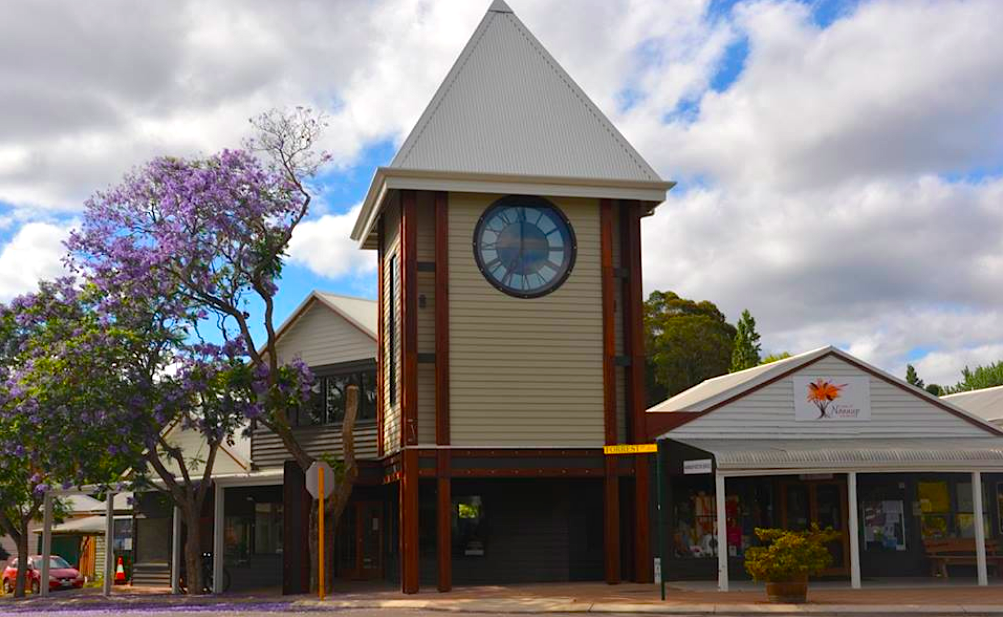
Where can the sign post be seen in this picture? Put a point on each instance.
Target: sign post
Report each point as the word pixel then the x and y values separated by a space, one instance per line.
pixel 320 484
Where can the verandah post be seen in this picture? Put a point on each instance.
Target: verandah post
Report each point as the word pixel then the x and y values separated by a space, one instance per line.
pixel 980 528
pixel 722 534
pixel 176 551
pixel 851 484
pixel 43 586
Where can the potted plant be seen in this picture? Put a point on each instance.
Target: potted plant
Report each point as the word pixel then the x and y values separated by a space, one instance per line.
pixel 787 559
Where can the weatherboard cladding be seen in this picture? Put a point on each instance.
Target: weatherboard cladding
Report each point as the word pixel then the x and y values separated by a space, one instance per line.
pixel 320 336
pixel 525 373
pixel 507 107
pixel 768 413
pixel 267 449
pixel 391 247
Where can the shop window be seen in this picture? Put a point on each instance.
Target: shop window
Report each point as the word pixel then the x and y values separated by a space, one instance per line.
pixel 947 513
pixel 883 516
pixel 267 528
pixel 695 515
pixel 747 506
pixel 469 529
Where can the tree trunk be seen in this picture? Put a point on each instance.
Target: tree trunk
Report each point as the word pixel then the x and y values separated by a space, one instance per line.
pixel 193 552
pixel 22 561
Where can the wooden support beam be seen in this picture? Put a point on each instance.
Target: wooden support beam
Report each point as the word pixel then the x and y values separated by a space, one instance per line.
pixel 636 403
pixel 408 524
pixel 611 522
pixel 409 334
pixel 444 522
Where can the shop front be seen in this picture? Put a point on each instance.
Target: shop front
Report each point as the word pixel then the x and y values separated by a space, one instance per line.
pixel 913 486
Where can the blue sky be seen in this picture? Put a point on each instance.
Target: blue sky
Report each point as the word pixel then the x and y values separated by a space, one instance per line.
pixel 839 162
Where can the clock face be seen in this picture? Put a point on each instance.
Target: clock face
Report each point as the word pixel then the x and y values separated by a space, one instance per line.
pixel 524 246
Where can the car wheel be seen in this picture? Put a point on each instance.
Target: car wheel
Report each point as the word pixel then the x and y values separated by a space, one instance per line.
pixel 35 587
pixel 8 586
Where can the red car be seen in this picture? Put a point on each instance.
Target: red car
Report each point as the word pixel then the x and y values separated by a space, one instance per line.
pixel 61 574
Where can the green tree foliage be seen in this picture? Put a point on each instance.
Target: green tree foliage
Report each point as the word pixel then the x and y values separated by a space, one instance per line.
pixel 934 389
pixel 775 357
pixel 686 341
pixel 987 376
pixel 745 353
pixel 43 437
pixel 912 377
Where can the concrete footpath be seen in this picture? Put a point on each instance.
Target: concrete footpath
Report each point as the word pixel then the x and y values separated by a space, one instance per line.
pixel 932 598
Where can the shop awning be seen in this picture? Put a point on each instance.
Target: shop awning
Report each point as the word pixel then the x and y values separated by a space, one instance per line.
pixel 842 455
pixel 85 526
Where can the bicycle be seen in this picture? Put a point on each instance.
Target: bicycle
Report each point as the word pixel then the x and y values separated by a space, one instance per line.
pixel 207 576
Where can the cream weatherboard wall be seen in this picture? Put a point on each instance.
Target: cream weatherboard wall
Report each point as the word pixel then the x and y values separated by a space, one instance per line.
pixel 768 413
pixel 525 372
pixel 425 250
pixel 391 317
pixel 320 336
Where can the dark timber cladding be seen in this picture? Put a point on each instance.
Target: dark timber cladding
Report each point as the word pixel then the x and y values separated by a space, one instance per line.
pixel 409 395
pixel 633 301
pixel 444 505
pixel 296 530
pixel 611 483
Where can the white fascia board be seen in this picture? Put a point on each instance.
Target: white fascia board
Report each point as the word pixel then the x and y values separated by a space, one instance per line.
pixel 392 179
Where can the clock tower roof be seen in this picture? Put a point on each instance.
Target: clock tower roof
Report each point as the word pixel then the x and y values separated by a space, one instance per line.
pixel 509 114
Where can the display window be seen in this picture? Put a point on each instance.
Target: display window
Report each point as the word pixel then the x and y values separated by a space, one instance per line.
pixel 947 509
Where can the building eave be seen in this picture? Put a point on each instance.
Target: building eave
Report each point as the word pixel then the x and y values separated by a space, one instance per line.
pixel 388 179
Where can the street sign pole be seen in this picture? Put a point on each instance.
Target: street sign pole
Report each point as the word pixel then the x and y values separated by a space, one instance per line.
pixel 660 481
pixel 320 534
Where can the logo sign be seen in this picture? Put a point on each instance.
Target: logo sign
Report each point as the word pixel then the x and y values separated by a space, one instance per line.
pixel 313 479
pixel 703 465
pixel 828 398
pixel 630 448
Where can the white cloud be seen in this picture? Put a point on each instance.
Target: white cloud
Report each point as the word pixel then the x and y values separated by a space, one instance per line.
pixel 812 190
pixel 324 247
pixel 34 253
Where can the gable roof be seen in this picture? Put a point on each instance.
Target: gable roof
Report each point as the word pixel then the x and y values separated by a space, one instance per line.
pixel 986 403
pixel 359 312
pixel 507 114
pixel 710 391
pixel 508 107
pixel 711 394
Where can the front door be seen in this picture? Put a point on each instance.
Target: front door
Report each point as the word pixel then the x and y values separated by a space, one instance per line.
pixel 822 502
pixel 360 541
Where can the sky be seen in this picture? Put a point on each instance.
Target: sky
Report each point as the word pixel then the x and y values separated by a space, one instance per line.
pixel 839 163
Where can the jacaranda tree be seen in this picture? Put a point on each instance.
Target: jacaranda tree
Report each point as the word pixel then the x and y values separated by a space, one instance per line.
pixel 207 237
pixel 51 432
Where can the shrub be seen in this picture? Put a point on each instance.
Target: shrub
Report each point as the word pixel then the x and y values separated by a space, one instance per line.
pixel 789 555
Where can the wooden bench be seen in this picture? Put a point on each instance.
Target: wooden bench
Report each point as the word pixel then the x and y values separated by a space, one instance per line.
pixel 959 552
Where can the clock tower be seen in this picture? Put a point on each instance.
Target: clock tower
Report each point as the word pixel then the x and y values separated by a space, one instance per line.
pixel 510 336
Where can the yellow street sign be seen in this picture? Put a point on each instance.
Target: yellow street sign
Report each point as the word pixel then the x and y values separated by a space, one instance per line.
pixel 630 448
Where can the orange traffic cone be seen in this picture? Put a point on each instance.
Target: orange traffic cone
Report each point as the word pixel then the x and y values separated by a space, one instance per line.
pixel 119 573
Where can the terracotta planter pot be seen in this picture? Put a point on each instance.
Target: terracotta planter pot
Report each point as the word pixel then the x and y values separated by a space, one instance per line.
pixel 788 592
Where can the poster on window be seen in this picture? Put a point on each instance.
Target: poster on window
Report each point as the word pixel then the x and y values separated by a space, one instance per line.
pixel 827 398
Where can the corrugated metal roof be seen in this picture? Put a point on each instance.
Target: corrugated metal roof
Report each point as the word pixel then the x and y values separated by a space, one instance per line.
pixel 711 391
pixel 975 453
pixel 986 403
pixel 507 107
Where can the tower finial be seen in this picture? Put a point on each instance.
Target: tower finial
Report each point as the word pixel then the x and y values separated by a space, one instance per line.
pixel 499 6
